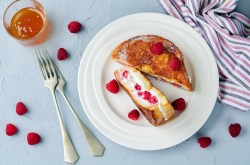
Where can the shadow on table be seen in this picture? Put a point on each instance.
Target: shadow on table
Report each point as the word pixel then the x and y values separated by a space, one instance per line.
pixel 243 7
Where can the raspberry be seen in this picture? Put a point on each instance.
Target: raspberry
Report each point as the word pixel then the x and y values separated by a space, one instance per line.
pixel 153 100
pixel 137 87
pixel 179 104
pixel 139 93
pixel 204 141
pixel 11 129
pixel 147 95
pixel 33 138
pixel 20 108
pixel 234 129
pixel 62 54
pixel 157 48
pixel 134 114
pixel 125 74
pixel 175 63
pixel 74 27
pixel 112 86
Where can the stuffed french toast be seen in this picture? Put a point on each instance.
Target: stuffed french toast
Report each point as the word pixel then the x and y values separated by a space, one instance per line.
pixel 149 100
pixel 155 56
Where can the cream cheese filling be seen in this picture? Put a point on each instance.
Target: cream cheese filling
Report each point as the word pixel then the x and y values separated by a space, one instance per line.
pixel 131 80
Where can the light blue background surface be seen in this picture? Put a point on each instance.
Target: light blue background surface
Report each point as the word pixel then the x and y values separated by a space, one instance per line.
pixel 20 81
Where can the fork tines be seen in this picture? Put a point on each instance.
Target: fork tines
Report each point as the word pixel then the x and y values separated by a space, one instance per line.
pixel 45 63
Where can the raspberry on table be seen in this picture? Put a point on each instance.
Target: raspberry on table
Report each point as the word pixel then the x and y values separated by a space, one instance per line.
pixel 74 26
pixel 33 138
pixel 204 142
pixel 62 54
pixel 21 108
pixel 11 129
pixel 234 129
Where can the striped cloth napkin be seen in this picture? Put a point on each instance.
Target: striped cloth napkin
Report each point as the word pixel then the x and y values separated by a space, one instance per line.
pixel 225 32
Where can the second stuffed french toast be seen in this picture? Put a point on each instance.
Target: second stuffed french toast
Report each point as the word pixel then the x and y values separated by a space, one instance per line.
pixel 149 100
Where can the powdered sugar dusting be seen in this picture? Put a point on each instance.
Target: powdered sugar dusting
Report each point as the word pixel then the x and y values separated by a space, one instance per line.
pixel 122 54
pixel 170 47
pixel 141 37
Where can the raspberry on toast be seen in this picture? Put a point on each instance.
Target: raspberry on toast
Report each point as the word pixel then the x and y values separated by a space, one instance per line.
pixel 144 53
pixel 149 100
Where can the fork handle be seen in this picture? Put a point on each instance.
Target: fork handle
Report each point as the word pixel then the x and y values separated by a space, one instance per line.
pixel 95 145
pixel 70 154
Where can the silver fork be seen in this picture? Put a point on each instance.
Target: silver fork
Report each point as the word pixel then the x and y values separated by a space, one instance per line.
pixel 50 81
pixel 95 146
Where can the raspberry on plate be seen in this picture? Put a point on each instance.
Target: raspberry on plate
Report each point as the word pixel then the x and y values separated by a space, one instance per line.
pixel 234 129
pixel 204 142
pixel 134 114
pixel 112 86
pixel 157 48
pixel 179 104
pixel 11 129
pixel 33 138
pixel 20 108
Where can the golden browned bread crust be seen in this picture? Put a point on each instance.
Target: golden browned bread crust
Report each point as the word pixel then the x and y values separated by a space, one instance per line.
pixel 152 111
pixel 136 52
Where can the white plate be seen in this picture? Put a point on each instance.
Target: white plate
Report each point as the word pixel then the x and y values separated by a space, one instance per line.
pixel 108 112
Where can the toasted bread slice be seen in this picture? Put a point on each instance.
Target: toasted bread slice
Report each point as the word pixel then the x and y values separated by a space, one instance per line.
pixel 136 52
pixel 149 100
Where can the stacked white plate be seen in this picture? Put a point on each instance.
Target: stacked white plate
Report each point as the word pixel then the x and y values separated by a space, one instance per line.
pixel 108 112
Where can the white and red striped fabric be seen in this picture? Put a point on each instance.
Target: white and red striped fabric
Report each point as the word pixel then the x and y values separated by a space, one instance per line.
pixel 226 33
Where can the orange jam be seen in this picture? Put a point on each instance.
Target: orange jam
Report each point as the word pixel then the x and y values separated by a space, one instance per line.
pixel 26 23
